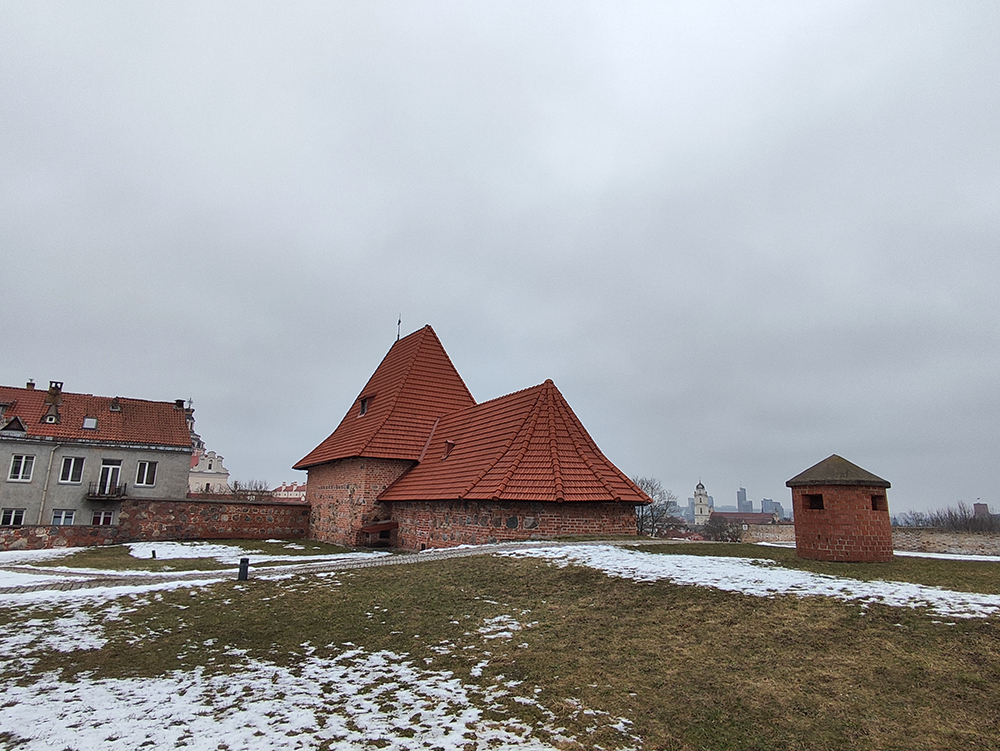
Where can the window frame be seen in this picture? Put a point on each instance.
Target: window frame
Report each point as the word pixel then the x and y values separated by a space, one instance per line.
pixel 12 517
pixel 103 518
pixel 143 471
pixel 814 501
pixel 74 463
pixel 63 517
pixel 19 459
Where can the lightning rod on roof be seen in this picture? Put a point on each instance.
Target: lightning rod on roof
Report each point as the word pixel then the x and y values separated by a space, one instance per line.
pixel 398 324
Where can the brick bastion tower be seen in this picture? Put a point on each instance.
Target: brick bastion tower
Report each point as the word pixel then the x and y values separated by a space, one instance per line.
pixel 841 513
pixel 416 463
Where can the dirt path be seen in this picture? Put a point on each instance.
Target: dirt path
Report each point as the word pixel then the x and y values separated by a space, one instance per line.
pixel 70 580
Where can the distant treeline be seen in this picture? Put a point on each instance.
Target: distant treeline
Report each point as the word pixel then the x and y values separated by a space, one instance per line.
pixel 959 519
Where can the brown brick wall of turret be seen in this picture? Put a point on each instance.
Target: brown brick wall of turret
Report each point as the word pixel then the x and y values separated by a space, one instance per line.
pixel 846 528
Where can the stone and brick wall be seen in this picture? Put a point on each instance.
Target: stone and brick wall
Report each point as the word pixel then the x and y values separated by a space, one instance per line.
pixel 929 540
pixel 847 528
pixel 343 495
pixel 36 537
pixel 442 524
pixel 141 520
pixel 212 520
pixel 768 533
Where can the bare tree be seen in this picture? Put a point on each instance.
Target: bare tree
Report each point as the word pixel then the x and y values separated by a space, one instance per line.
pixel 659 515
pixel 250 490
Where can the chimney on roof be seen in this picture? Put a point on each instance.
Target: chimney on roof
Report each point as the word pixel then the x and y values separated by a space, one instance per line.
pixel 116 405
pixel 55 387
pixel 178 404
pixel 30 385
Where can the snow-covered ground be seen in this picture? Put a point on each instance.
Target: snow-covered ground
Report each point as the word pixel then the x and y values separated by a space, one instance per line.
pixel 339 695
pixel 761 577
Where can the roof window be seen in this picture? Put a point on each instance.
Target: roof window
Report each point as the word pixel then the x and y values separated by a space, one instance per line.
pixel 363 409
pixel 448 446
pixel 90 423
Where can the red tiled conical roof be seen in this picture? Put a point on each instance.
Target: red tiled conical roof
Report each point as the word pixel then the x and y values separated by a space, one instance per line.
pixel 414 386
pixel 526 446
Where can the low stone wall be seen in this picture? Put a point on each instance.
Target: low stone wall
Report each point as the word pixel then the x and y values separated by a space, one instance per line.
pixel 927 540
pixel 212 520
pixel 142 520
pixel 37 537
pixel 769 533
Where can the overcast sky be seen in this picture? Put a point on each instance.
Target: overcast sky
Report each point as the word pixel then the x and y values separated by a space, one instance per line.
pixel 739 237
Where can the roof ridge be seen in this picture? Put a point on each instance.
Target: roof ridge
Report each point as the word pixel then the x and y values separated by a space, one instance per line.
pixel 509 474
pixel 553 441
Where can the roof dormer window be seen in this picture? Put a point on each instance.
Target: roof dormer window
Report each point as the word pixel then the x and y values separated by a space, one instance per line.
pixel 363 408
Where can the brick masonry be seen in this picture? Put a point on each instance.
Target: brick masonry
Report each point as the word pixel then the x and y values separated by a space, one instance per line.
pixel 847 528
pixel 343 496
pixel 442 524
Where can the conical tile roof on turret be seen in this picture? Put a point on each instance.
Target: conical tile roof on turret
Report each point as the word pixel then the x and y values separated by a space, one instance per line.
pixel 415 385
pixel 836 470
pixel 526 446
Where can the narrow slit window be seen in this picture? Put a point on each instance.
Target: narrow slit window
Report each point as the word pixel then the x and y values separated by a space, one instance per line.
pixel 363 409
pixel 878 502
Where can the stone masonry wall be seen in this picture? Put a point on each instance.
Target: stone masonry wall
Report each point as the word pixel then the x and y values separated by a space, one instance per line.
pixel 927 540
pixel 211 520
pixel 442 524
pixel 769 533
pixel 343 496
pixel 141 520
pixel 36 537
pixel 846 528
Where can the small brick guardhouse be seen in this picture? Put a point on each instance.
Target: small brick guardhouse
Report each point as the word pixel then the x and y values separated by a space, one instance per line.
pixel 416 463
pixel 841 513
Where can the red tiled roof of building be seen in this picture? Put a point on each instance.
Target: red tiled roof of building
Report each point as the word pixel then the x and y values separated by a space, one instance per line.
pixel 740 517
pixel 526 446
pixel 133 420
pixel 414 386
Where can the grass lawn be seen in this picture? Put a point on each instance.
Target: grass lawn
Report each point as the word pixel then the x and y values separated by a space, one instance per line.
pixel 571 652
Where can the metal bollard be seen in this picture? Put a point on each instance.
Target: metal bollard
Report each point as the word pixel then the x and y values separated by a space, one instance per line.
pixel 244 569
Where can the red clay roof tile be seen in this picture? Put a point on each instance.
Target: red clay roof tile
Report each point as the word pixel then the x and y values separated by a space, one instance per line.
pixel 415 384
pixel 526 446
pixel 136 420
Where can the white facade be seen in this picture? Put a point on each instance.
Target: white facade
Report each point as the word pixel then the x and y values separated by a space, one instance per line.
pixel 208 474
pixel 702 505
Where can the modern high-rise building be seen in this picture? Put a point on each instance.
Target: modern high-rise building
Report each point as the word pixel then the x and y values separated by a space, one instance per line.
pixel 743 506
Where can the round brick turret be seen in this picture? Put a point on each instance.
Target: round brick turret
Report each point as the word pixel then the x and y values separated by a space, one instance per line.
pixel 841 513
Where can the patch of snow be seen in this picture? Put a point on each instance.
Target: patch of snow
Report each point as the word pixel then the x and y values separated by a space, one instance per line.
pixel 18 579
pixel 349 701
pixel 18 557
pixel 760 577
pixel 111 592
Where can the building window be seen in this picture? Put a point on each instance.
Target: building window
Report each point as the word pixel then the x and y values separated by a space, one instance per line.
pixel 62 517
pixel 878 502
pixel 90 423
pixel 103 518
pixel 146 474
pixel 364 407
pixel 814 501
pixel 111 470
pixel 11 517
pixel 20 468
pixel 72 469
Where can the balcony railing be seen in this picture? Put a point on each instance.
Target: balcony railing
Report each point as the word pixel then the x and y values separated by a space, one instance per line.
pixel 100 491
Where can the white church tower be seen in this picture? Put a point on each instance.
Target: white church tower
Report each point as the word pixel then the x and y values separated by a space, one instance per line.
pixel 702 506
